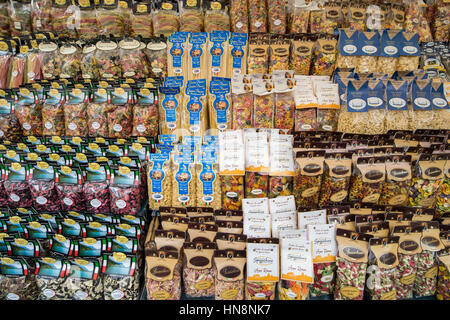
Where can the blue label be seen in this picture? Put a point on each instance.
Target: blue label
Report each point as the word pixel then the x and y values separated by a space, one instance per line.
pixel 170 103
pixel 173 82
pixel 375 97
pixel 368 46
pixel 177 49
pixel 220 88
pixel 183 176
pixel 421 96
pixel 207 177
pixel 157 174
pixel 438 99
pixel 196 89
pixel 196 52
pixel 397 99
pixel 348 45
pixel 390 47
pixel 218 38
pixel 357 98
pixel 167 139
pixel 409 47
pixel 238 41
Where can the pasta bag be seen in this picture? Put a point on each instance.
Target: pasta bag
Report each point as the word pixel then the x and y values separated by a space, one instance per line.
pixel 63 17
pixel 237 58
pixel 159 181
pixel 86 22
pixel 75 112
pixel 164 285
pixel 111 18
pixel 263 103
pixel 177 54
pixel 194 109
pixel 242 100
pixel 257 11
pixel 239 16
pixel 439 103
pixel 165 18
pixel 368 179
pixel 258 55
pixel 120 112
pixel 346 57
pixel 397 115
pixel 216 16
pixel 217 54
pixel 199 278
pixel 368 51
pixel 409 52
pixel 197 57
pixel 220 104
pixel 183 182
pixel 229 283
pixel 390 51
pixel 141 22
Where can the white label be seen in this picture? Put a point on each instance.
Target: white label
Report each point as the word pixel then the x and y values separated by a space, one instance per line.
pixel 422 102
pixel 277 22
pixel 17 25
pixel 231 194
pixel 256 192
pixel 231 152
pixel 1 133
pixel 410 49
pixel 81 295
pixel 296 260
pixel 95 203
pixel 41 200
pixel 374 102
pixel 390 50
pixel 48 125
pixel 256 205
pixel 239 25
pixel 14 197
pixel 283 221
pixel 311 217
pixel 121 204
pixel 39 23
pixel 140 128
pixel 14 73
pixel 31 74
pixel 262 261
pixel 117 127
pixel 95 125
pixel 327 278
pixel 257 24
pixel 397 103
pixel 349 48
pixel 256 151
pixel 260 295
pixel 26 126
pixel 72 126
pixel 438 102
pixel 306 127
pixel 369 49
pixel 194 128
pixel 257 225
pixel 282 204
pixel 68 201
pixel 49 293
pixel 12 296
pixel 117 294
pixel 357 104
pixel 323 241
pixel 157 196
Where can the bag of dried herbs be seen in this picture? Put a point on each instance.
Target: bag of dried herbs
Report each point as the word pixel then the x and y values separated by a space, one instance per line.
pixel 381 271
pixel 199 274
pixel 229 284
pixel 120 277
pixel 428 174
pixel 351 264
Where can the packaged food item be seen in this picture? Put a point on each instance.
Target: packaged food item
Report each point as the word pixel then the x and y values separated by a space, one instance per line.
pixel 264 104
pixel 124 191
pixel 145 113
pixel 62 18
pixel 238 51
pixel 258 55
pixel 165 18
pixel 232 191
pixel 20 18
pixel 348 49
pixel 397 115
pixel 390 51
pixel 184 182
pixel 96 112
pixel 409 52
pixel 120 112
pixel 317 18
pixel 197 57
pixel 277 16
pixel 141 22
pixel 427 177
pixel 111 18
pixel 177 54
pixel 426 275
pixel 5 58
pixel 229 283
pixel 131 59
pixel 257 12
pixel 108 59
pixel 75 112
pixel 422 114
pixel 409 247
pixel 396 17
pixel 354 113
pixel 217 54
pixel 328 106
pixel 324 56
pixel 162 286
pixel 416 21
pixel 279 53
pixel 216 16
pixel 308 177
pixel 4 15
pixel 32 71
pixel 443 275
pixel 299 18
pixel 157 57
pixel 199 278
pixel 443 199
pixel 17 68
pixel 220 104
pixel 68 185
pixel 381 273
pixel 239 16
pixel 170 109
pixel 440 105
pixel 398 180
pixel 368 52
pixel 51 275
pixel 301 57
pixel 95 188
pixel 284 105
pixel 9 124
pixel 440 27
pixel 209 192
pixel 42 187
pixel 17 282
pixel 120 277
pixel 194 108
pixel 351 269
pixel 357 16
pixel 332 16
pixel 242 100
pixel 86 22
pixel 50 60
pixel 70 61
pixel 29 112
pixel 83 281
pixel 368 179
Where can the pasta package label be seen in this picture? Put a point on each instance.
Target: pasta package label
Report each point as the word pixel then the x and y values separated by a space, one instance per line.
pixel 409 44
pixel 353 246
pixel 220 114
pixel 385 251
pixel 431 166
pixel 357 96
pixel 348 42
pixel 438 97
pixel 199 255
pixel 375 95
pixel 431 240
pixel 177 52
pixel 256 152
pixel 369 43
pixel 262 261
pixel 217 53
pixel 229 241
pixel 390 40
pixel 208 185
pixel 420 95
pixel 197 55
pixel 231 153
pixel 296 261
pixel 396 95
pixel 257 225
pixel 183 177
pixel 194 107
pixel 238 52
pixel 230 265
pixel 170 103
pixel 161 264
pixel 202 232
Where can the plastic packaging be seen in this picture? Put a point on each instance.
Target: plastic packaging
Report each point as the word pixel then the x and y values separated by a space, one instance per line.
pixel 75 113
pixel 20 17
pixel 63 18
pixel 141 22
pixel 86 23
pixel 68 185
pixel 50 60
pixel 131 59
pixel 307 182
pixel 111 18
pixel 277 16
pixel 145 114
pixel 232 192
pixel 239 16
pixel 157 56
pixel 4 19
pixel 70 61
pixel 165 18
pixel 258 16
pixel 108 59
pixel 42 188
pixel 325 56
pixel 199 280
pixel 242 110
pixel 299 21
pixel 191 17
pixel 124 191
pixel 96 190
